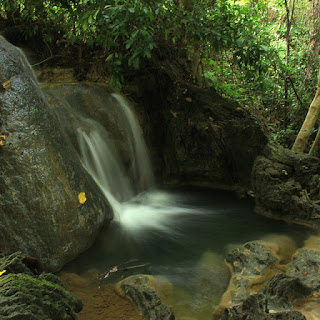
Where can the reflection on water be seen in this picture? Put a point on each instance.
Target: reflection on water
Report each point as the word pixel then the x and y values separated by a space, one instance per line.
pixel 182 236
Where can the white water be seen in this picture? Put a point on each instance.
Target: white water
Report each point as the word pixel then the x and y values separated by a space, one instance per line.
pixel 136 205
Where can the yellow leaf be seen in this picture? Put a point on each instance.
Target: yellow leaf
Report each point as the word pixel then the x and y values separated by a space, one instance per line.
pixel 239 108
pixel 1 143
pixel 2 272
pixel 3 137
pixel 6 84
pixel 189 99
pixel 82 197
pixel 173 113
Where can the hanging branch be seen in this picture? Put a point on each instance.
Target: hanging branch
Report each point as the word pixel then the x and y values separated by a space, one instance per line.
pixel 294 89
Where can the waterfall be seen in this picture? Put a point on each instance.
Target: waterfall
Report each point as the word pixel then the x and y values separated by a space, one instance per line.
pixel 108 139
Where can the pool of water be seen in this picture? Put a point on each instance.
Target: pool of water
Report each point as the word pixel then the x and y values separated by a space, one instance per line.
pixel 181 236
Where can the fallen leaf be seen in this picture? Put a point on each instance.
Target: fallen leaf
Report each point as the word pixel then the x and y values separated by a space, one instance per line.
pixel 2 272
pixel 211 119
pixel 82 197
pixel 239 108
pixel 6 84
pixel 189 99
pixel 173 113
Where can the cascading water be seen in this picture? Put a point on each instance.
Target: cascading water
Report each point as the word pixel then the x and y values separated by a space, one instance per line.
pixel 112 150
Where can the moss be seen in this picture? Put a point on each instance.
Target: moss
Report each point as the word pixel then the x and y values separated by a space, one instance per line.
pixel 25 296
pixel 13 264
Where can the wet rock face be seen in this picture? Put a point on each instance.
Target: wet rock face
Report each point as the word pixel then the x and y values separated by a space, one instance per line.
pixel 26 296
pixel 40 175
pixel 137 288
pixel 212 139
pixel 195 135
pixel 287 185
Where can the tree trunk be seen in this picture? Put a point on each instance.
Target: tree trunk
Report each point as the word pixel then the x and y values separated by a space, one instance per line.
pixel 315 28
pixel 309 122
pixel 289 19
pixel 315 142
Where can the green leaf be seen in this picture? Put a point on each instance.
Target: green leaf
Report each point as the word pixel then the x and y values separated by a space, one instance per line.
pixel 110 57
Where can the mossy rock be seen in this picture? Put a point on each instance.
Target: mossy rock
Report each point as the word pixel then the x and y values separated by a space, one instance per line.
pixel 14 264
pixel 26 296
pixel 23 296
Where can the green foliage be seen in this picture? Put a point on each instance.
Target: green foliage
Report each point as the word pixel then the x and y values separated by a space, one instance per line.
pixel 242 44
pixel 253 67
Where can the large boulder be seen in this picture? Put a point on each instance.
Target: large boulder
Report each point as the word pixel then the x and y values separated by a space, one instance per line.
pixel 286 185
pixel 41 176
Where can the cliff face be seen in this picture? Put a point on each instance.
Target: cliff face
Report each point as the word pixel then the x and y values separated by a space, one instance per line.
pixel 41 178
pixel 195 135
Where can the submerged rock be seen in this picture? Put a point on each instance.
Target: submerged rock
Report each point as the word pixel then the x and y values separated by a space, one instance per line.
pixel 26 296
pixel 287 185
pixel 40 175
pixel 210 279
pixel 138 288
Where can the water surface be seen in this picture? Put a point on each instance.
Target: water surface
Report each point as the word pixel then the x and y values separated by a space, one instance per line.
pixel 182 237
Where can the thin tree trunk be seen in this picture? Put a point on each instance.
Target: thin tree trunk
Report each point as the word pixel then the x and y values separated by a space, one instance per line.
pixel 289 19
pixel 315 142
pixel 315 28
pixel 309 122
